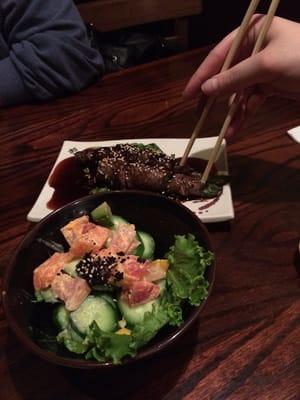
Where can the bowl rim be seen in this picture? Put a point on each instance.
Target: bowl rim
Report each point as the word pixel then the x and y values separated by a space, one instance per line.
pixel 142 353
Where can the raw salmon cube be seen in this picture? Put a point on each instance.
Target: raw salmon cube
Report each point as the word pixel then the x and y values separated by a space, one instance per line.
pixel 72 291
pixel 124 239
pixel 90 242
pixel 73 229
pixel 141 292
pixel 44 274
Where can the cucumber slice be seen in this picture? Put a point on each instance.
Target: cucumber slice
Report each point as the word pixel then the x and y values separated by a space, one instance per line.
pixel 61 317
pixel 70 268
pixel 139 251
pixel 117 220
pixel 72 340
pixel 75 335
pixel 110 301
pixel 102 215
pixel 94 308
pixel 135 315
pixel 148 243
pixel 45 295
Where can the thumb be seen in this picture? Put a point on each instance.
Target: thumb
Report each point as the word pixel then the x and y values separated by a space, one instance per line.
pixel 247 73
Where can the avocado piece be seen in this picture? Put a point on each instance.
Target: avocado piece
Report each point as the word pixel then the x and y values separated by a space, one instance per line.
pixel 102 215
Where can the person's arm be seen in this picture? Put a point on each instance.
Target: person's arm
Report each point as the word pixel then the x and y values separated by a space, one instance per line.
pixel 273 71
pixel 49 54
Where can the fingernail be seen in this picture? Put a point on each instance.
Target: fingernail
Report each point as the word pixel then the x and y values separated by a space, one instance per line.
pixel 210 85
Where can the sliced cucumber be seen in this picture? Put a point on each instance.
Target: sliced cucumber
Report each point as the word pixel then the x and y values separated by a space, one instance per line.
pixel 45 295
pixel 61 317
pixel 110 300
pixel 102 215
pixel 117 220
pixel 94 308
pixel 135 315
pixel 139 251
pixel 72 340
pixel 75 335
pixel 148 244
pixel 70 268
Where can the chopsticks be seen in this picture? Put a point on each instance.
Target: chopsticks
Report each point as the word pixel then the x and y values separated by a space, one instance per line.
pixel 235 103
pixel 228 60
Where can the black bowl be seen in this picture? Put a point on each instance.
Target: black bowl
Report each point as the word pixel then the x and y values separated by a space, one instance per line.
pixel 152 213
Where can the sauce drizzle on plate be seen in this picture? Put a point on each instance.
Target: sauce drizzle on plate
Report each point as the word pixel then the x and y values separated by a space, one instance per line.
pixel 66 180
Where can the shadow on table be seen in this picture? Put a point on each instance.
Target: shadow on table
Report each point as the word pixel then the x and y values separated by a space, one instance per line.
pixel 262 181
pixel 297 260
pixel 153 378
pixel 259 182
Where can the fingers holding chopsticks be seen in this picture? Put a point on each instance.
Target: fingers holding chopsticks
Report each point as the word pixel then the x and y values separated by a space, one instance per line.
pixel 274 70
pixel 213 63
pixel 245 74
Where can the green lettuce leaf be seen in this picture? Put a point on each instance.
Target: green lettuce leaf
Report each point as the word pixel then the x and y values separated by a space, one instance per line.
pixel 153 321
pixel 188 263
pixel 95 354
pixel 214 186
pixel 172 307
pixel 106 346
pixel 72 341
pixel 151 146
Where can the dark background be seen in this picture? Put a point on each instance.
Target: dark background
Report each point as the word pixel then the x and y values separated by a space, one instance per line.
pixel 139 44
pixel 220 17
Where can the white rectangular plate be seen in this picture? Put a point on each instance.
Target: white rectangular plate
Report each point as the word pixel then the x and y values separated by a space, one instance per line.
pixel 222 210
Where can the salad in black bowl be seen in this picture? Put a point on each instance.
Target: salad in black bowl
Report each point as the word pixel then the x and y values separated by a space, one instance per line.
pixel 108 279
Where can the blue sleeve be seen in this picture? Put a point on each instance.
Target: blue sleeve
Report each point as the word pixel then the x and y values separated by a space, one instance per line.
pixel 49 53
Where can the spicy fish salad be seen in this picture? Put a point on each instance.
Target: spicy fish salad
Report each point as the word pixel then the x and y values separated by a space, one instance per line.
pixel 111 295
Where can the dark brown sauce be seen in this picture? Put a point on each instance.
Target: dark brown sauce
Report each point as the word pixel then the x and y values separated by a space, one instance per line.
pixel 207 205
pixel 198 164
pixel 66 180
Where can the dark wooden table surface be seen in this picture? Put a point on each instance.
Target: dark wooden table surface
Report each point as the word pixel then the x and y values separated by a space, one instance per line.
pixel 246 345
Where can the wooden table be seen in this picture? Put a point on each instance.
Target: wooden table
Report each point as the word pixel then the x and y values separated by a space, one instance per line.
pixel 246 345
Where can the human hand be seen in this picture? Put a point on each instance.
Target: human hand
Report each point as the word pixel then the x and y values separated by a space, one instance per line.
pixel 273 71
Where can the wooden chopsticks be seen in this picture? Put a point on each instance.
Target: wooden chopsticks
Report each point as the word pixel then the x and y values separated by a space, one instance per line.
pixel 228 60
pixel 235 103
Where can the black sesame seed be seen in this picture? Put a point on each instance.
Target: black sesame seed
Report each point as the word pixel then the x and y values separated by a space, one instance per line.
pixel 96 270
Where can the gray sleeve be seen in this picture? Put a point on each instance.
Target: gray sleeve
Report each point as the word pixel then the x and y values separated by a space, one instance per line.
pixel 49 53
